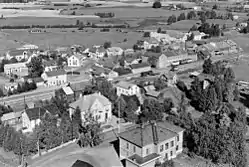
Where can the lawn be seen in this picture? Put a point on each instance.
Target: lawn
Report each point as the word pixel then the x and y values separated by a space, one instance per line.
pixel 66 37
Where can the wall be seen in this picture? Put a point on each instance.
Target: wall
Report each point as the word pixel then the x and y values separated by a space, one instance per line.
pixel 73 61
pixel 57 80
pixel 126 152
pixel 99 110
pixel 151 148
pixel 140 70
pixel 134 90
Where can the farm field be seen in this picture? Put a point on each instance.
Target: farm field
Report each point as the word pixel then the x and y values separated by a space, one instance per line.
pixel 132 12
pixel 55 37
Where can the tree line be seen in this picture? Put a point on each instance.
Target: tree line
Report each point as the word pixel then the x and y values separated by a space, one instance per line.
pixel 105 14
pixel 22 87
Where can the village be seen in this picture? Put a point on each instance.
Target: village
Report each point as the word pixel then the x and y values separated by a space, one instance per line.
pixel 150 70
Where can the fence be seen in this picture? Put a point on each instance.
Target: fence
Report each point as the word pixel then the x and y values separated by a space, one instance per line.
pixel 53 149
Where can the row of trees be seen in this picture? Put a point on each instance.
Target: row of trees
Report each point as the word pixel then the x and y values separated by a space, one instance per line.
pixel 105 14
pixel 25 87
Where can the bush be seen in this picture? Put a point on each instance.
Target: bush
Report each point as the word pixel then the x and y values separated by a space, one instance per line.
pixel 157 4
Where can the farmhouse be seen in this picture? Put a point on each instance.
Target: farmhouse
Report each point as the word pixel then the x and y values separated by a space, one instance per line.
pixel 55 78
pixel 75 60
pixel 126 88
pixel 19 69
pixel 96 52
pixel 139 68
pixel 18 54
pixel 11 118
pixel 144 145
pixel 114 51
pixel 98 71
pixel 96 104
pixel 31 117
pixel 50 65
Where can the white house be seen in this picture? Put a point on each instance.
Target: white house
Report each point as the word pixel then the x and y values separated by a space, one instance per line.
pixel 54 78
pixel 50 65
pixel 127 88
pixel 145 145
pixel 18 54
pixel 114 51
pixel 197 35
pixel 95 104
pixel 19 69
pixel 31 117
pixel 152 42
pixel 96 52
pixel 75 60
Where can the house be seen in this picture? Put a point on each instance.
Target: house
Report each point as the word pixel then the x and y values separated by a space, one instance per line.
pixel 99 71
pixel 31 117
pixel 38 80
pixel 126 88
pixel 139 68
pixel 55 78
pixel 150 91
pixel 96 52
pixel 122 71
pixel 19 69
pixel 99 156
pixel 197 35
pixel 151 42
pixel 96 104
pixel 18 54
pixel 129 52
pixel 75 60
pixel 144 145
pixel 65 93
pixel 49 65
pixel 162 61
pixel 114 51
pixel 11 86
pixel 12 118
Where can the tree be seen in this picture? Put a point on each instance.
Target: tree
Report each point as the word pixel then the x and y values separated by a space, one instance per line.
pixel 181 17
pixel 229 75
pixel 203 19
pixel 171 19
pixel 193 28
pixel 159 30
pixel 168 163
pixel 181 85
pixel 77 22
pixel 35 67
pixel 107 45
pixel 160 84
pixel 146 34
pixel 215 7
pixel 207 66
pixel 90 134
pixel 191 15
pixel 213 15
pixel 190 37
pixel 157 4
pixel 19 88
pixel 1 93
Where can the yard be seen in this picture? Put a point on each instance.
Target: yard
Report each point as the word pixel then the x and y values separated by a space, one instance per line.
pixel 66 37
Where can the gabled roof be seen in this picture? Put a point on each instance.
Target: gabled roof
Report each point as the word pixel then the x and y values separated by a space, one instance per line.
pixel 124 84
pixel 133 98
pixel 140 65
pixel 56 73
pixel 170 53
pixel 86 102
pixel 67 90
pixel 11 115
pixel 36 112
pixel 49 63
pixel 145 135
pixel 15 52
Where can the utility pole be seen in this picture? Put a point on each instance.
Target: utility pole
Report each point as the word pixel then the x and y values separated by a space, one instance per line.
pixel 38 137
pixel 119 117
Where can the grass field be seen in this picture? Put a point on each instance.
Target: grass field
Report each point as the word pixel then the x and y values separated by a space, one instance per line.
pixel 132 12
pixel 55 37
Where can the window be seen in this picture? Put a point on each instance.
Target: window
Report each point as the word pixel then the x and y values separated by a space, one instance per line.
pixel 166 156
pixel 161 148
pixel 166 146
pixel 127 145
pixel 172 143
pixel 171 153
pixel 178 138
pixel 147 151
pixel 134 149
pixel 177 147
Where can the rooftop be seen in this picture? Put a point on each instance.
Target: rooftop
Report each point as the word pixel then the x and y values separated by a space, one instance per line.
pixel 56 73
pixel 170 53
pixel 141 160
pixel 140 65
pixel 86 102
pixel 124 84
pixel 36 112
pixel 145 135
pixel 11 115
pixel 67 90
pixel 49 63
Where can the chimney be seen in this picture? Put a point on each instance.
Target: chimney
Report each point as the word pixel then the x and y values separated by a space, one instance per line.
pixel 154 132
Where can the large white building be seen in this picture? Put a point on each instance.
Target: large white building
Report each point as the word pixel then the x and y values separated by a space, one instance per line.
pixel 127 88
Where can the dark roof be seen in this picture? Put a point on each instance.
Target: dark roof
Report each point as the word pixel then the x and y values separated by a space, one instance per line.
pixel 140 65
pixel 49 63
pixel 38 79
pixel 55 73
pixel 170 53
pixel 141 160
pixel 79 163
pixel 36 112
pixel 122 71
pixel 146 134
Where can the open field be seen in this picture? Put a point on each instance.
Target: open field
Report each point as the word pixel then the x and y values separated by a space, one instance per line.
pixel 132 12
pixel 67 37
